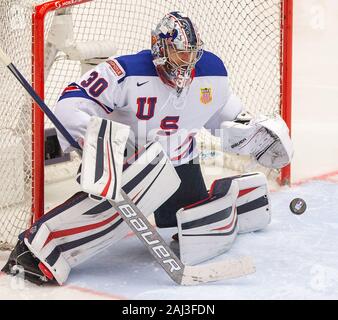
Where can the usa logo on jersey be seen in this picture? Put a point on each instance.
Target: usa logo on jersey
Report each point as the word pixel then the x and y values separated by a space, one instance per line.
pixel 206 95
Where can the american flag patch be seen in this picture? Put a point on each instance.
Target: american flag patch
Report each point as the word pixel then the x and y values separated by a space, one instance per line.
pixel 206 95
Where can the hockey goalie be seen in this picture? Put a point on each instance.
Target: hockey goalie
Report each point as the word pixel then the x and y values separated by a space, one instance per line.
pixel 136 117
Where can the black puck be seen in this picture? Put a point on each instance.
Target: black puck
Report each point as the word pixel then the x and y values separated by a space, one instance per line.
pixel 298 206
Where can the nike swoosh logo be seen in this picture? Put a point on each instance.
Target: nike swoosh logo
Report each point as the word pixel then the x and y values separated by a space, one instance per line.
pixel 141 84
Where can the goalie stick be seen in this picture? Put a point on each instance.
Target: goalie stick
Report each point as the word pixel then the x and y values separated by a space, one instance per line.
pixel 139 224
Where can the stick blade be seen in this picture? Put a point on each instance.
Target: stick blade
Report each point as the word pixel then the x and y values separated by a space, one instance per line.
pixel 222 270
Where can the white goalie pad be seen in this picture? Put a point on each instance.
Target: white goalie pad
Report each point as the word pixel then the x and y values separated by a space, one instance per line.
pixel 82 227
pixel 205 231
pixel 103 156
pixel 209 227
pixel 253 202
pixel 267 139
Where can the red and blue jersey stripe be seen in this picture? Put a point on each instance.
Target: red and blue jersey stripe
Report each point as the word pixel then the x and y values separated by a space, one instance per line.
pixel 76 91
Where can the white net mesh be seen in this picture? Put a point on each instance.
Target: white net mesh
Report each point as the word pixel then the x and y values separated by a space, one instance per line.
pixel 15 123
pixel 246 34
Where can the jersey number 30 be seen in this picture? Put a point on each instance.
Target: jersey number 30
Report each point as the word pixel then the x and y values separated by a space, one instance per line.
pixel 97 85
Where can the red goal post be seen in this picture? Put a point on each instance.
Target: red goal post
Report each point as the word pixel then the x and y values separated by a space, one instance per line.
pixel 286 85
pixel 38 84
pixel 38 76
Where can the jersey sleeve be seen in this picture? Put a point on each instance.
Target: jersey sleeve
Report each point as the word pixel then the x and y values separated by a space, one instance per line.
pixel 229 106
pixel 230 110
pixel 97 93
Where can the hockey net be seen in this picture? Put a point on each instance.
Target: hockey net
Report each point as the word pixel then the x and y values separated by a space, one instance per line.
pixel 249 35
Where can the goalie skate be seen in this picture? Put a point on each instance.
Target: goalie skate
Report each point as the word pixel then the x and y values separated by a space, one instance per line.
pixel 22 261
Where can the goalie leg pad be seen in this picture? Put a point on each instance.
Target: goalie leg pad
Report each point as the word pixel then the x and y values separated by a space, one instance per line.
pixel 73 232
pixel 209 227
pixel 253 202
pixel 102 158
pixel 191 190
pixel 82 227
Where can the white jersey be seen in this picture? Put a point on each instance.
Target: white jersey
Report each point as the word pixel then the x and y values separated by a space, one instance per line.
pixel 127 89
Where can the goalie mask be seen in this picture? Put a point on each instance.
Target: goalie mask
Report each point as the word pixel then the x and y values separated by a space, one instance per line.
pixel 176 48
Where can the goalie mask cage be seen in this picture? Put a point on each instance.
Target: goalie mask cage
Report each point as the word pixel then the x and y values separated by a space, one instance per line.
pixel 253 37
